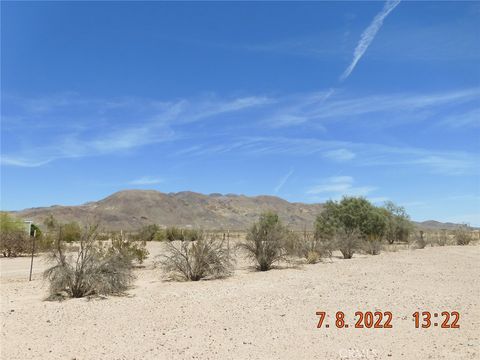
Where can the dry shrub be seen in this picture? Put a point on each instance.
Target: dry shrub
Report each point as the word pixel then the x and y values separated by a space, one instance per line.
pixel 207 257
pixel 348 242
pixel 93 270
pixel 173 233
pixel 14 243
pixel 135 250
pixel 312 257
pixel 463 235
pixel 267 242
pixel 14 239
pixel 314 248
pixel 150 233
pixel 372 247
pixel 442 238
pixel 420 241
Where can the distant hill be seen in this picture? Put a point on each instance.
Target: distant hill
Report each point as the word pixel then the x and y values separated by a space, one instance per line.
pixel 132 209
pixel 436 225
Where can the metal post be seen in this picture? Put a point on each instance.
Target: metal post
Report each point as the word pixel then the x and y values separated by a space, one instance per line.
pixel 33 252
pixel 228 241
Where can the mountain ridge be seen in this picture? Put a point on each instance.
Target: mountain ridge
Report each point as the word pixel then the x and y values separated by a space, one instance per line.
pixel 131 209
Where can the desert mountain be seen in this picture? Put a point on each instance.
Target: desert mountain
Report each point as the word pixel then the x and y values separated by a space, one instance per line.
pixel 131 209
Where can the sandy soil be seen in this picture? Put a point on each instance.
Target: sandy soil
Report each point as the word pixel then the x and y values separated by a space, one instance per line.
pixel 253 315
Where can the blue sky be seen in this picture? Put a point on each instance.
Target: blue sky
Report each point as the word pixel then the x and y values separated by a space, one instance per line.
pixel 306 101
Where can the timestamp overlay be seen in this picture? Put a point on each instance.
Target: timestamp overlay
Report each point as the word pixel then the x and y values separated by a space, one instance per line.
pixel 421 305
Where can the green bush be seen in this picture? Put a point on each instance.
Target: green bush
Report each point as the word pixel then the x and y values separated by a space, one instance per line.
pixel 71 232
pixel 399 227
pixel 266 241
pixel 173 233
pixel 348 223
pixel 192 234
pixel 149 233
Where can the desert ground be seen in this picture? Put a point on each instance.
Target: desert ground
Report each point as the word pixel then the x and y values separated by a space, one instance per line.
pixel 253 315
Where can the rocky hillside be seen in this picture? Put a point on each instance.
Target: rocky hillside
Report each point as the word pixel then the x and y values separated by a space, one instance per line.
pixel 131 209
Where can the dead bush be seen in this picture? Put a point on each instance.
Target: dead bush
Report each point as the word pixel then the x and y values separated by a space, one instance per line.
pixel 372 247
pixel 314 248
pixel 348 242
pixel 14 239
pixel 207 257
pixel 94 269
pixel 442 238
pixel 267 241
pixel 14 243
pixel 463 235
pixel 420 241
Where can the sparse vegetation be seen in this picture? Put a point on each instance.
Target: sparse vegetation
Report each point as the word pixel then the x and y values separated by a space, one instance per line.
pixel 463 235
pixel 374 229
pixel 206 257
pixel 348 242
pixel 150 233
pixel 372 247
pixel 398 227
pixel 314 246
pixel 71 232
pixel 420 241
pixel 173 233
pixel 14 239
pixel 442 238
pixel 135 250
pixel 267 241
pixel 94 269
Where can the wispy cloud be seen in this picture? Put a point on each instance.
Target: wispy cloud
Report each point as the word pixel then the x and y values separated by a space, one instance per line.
pixel 368 35
pixel 119 126
pixel 319 108
pixel 337 186
pixel 366 154
pixel 103 126
pixel 282 181
pixel 339 155
pixel 146 180
pixel 470 118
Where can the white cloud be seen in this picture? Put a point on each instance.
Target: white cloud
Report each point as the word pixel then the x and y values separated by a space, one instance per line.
pixel 338 186
pixel 146 180
pixel 368 35
pixel 339 155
